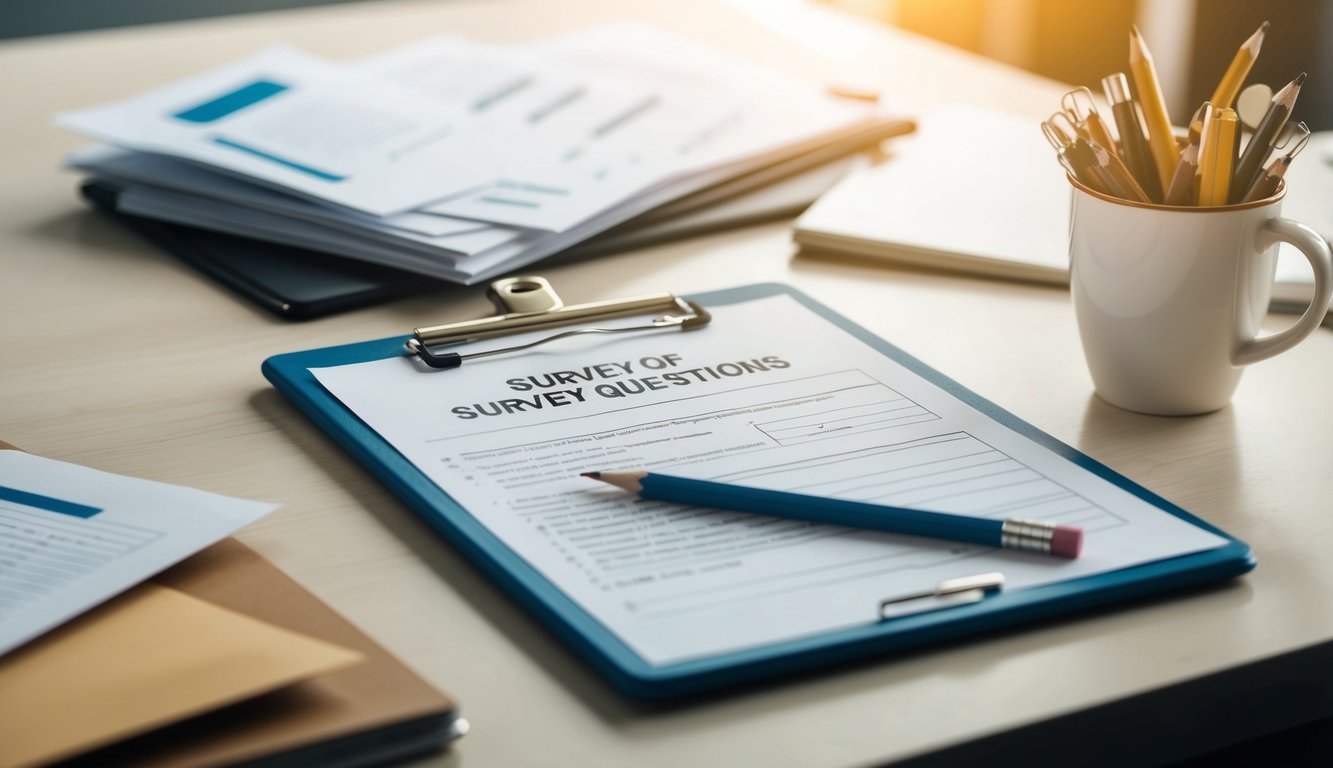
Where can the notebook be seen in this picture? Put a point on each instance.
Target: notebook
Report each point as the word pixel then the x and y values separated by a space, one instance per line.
pixel 975 191
pixel 979 191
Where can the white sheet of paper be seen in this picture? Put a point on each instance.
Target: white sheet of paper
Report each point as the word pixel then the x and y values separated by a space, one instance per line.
pixel 168 173
pixel 577 140
pixel 771 395
pixel 601 115
pixel 305 125
pixel 139 198
pixel 72 537
pixel 236 220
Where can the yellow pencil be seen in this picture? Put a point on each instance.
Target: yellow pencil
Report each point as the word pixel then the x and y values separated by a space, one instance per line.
pixel 1203 179
pixel 1165 153
pixel 1234 77
pixel 1217 154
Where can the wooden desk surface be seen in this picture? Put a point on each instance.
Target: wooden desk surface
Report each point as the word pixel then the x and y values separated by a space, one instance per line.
pixel 115 356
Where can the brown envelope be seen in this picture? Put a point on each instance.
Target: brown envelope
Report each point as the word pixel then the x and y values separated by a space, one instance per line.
pixel 370 712
pixel 378 708
pixel 149 657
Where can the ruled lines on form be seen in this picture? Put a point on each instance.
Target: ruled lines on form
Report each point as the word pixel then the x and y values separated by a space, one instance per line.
pixel 948 472
pixel 40 552
pixel 835 418
pixel 71 537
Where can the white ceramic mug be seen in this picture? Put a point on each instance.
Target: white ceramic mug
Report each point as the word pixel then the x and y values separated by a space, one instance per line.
pixel 1169 298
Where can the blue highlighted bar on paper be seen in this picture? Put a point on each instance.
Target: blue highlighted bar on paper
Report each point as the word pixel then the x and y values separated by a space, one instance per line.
pixel 317 173
pixel 46 502
pixel 230 103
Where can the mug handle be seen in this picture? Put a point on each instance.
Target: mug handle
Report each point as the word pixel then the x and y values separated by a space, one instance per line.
pixel 1315 249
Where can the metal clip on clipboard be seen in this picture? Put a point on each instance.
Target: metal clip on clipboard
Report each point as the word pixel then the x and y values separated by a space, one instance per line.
pixel 953 592
pixel 530 304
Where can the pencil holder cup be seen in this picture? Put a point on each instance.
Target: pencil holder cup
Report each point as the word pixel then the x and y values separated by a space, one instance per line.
pixel 1169 299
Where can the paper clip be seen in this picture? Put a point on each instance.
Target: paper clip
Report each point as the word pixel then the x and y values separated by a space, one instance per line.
pixel 948 594
pixel 1269 182
pixel 1055 135
pixel 1087 121
pixel 1069 104
pixel 530 304
pixel 1289 134
pixel 1091 164
pixel 1061 141
pixel 1078 156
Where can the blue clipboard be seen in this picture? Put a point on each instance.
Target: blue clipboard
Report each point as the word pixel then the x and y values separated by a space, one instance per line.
pixel 631 674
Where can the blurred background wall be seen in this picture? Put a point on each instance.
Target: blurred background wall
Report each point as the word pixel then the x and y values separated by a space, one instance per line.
pixel 24 18
pixel 1192 41
pixel 1072 41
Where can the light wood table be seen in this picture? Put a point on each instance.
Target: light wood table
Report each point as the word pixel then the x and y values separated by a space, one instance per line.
pixel 115 356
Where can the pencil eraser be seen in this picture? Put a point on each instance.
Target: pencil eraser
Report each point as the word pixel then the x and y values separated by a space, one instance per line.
pixel 1067 541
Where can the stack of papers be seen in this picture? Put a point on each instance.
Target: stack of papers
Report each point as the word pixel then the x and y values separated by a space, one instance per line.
pixel 452 158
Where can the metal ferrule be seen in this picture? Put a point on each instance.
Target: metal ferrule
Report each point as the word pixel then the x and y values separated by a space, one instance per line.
pixel 1027 535
pixel 1116 87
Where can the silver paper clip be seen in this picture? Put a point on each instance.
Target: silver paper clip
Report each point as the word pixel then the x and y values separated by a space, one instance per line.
pixel 530 304
pixel 954 592
pixel 1298 133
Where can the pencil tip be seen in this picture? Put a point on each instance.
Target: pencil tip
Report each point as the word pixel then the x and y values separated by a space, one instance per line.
pixel 1138 47
pixel 1256 40
pixel 593 475
pixel 1300 79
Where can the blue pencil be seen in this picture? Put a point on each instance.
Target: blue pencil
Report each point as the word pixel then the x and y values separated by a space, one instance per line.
pixel 1011 533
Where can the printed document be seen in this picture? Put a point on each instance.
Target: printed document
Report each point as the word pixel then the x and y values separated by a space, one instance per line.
pixel 601 115
pixel 305 125
pixel 72 537
pixel 459 159
pixel 768 395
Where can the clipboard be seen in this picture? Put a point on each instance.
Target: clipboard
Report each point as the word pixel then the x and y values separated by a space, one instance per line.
pixel 529 303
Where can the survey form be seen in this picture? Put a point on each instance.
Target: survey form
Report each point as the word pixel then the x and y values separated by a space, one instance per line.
pixel 71 537
pixel 772 395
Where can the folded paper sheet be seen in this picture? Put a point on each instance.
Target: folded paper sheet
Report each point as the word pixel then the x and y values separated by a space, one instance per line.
pixel 71 537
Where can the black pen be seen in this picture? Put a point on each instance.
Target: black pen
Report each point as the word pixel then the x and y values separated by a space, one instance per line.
pixel 1133 140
